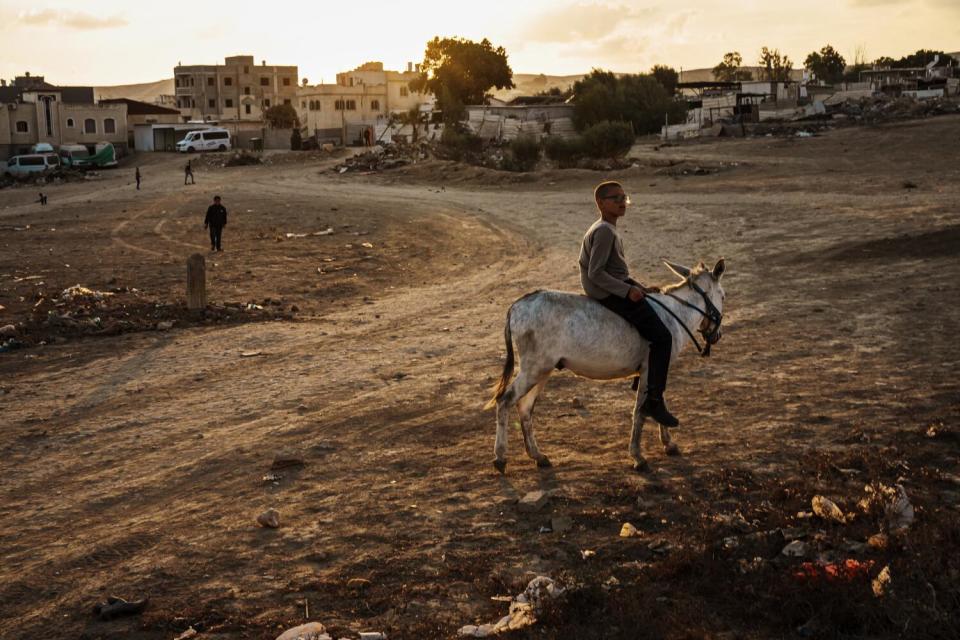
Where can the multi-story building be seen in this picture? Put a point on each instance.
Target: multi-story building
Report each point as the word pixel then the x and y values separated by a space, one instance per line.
pixel 33 111
pixel 236 92
pixel 362 100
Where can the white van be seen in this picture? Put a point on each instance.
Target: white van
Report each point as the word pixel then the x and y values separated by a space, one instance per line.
pixel 205 140
pixel 31 163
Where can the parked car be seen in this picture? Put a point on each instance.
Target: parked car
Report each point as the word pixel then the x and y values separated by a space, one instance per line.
pixel 73 155
pixel 205 140
pixel 42 147
pixel 79 156
pixel 31 163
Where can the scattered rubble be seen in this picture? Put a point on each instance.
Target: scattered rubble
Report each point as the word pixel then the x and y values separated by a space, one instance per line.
pixel 533 501
pixel 827 509
pixel 118 607
pixel 269 519
pixel 523 609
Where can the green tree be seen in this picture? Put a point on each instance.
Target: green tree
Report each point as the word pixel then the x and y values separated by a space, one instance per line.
pixel 460 72
pixel 776 66
pixel 827 64
pixel 729 69
pixel 281 116
pixel 666 76
pixel 637 99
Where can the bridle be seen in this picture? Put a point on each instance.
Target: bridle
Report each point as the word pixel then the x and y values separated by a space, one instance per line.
pixel 711 335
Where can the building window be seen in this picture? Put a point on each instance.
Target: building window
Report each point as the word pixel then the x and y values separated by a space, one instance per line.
pixel 246 91
pixel 228 103
pixel 210 82
pixel 70 123
pixel 191 81
pixel 264 81
pixel 109 125
pixel 22 126
pixel 351 105
pixel 286 101
pixel 286 82
pixel 212 103
pixel 375 105
pixel 246 109
pixel 228 82
pixel 338 105
pixel 404 92
pixel 303 104
pixel 176 82
pixel 89 125
pixel 246 69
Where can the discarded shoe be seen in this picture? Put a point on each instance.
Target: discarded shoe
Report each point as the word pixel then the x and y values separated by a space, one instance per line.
pixel 116 607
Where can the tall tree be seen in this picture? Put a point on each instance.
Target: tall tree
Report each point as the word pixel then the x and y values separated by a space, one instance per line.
pixel 460 72
pixel 729 69
pixel 827 64
pixel 281 116
pixel 638 99
pixel 776 67
pixel 666 76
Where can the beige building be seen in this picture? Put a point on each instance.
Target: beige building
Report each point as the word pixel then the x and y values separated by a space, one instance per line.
pixel 237 91
pixel 362 100
pixel 33 111
pixel 143 113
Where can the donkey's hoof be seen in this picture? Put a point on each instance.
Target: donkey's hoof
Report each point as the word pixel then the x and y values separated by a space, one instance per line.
pixel 544 462
pixel 671 449
pixel 641 466
pixel 501 466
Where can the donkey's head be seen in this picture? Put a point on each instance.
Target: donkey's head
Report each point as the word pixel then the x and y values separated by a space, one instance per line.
pixel 707 283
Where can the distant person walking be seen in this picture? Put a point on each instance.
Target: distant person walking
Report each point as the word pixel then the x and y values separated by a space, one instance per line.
pixel 42 200
pixel 216 220
pixel 138 178
pixel 188 173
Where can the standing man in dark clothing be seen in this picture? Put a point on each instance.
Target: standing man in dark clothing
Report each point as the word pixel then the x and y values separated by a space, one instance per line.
pixel 605 277
pixel 216 220
pixel 137 176
pixel 42 200
pixel 188 173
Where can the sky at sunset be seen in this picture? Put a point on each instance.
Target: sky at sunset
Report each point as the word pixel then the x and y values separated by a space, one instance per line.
pixel 105 42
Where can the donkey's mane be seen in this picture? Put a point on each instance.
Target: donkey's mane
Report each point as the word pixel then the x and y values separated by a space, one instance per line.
pixel 699 269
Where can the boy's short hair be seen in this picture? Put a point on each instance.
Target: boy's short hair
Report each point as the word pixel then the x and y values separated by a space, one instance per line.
pixel 216 197
pixel 604 188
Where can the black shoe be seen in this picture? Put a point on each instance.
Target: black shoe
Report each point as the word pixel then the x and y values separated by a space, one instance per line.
pixel 656 408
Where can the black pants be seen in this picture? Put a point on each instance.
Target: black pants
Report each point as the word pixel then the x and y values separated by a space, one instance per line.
pixel 215 234
pixel 642 316
pixel 188 175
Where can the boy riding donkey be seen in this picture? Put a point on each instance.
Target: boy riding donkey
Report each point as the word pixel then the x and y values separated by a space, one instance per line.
pixel 605 277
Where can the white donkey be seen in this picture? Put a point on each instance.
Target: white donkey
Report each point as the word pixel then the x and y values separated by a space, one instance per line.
pixel 557 330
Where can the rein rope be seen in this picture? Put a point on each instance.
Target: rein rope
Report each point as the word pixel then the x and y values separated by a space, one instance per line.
pixel 711 313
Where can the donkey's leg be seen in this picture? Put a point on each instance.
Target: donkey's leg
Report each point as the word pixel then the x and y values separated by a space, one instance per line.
pixel 520 386
pixel 525 407
pixel 670 448
pixel 639 462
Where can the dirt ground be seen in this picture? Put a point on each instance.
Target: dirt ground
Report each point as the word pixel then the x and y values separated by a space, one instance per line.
pixel 135 459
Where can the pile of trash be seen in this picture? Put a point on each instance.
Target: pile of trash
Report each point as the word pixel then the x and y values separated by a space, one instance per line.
pixel 383 157
pixel 55 176
pixel 876 109
pixel 523 610
pixel 242 158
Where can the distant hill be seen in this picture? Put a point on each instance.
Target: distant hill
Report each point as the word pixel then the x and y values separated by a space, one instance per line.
pixel 145 92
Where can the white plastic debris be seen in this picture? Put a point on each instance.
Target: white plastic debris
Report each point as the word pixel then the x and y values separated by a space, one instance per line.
pixel 308 631
pixel 77 291
pixel 796 549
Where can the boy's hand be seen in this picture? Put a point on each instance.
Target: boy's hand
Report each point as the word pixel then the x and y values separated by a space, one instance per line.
pixel 635 294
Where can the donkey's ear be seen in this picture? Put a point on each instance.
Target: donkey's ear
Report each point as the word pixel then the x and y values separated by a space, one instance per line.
pixel 719 268
pixel 679 269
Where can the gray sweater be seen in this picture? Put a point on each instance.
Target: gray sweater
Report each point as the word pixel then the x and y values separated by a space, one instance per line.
pixel 603 268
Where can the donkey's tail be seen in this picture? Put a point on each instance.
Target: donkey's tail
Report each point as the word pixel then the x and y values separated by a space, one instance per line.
pixel 501 386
